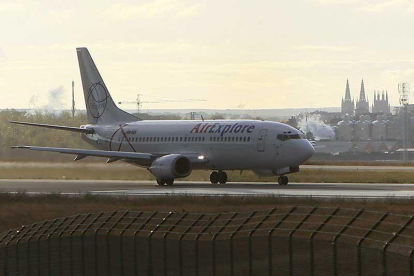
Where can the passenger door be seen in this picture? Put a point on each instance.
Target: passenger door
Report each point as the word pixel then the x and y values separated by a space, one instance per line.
pixel 261 140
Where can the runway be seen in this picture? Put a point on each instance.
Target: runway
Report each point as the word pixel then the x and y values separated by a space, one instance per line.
pixel 149 188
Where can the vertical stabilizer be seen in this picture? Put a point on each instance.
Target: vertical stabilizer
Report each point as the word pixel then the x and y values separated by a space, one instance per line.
pixel 100 107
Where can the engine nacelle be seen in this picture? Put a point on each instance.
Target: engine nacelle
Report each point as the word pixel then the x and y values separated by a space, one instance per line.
pixel 282 171
pixel 171 166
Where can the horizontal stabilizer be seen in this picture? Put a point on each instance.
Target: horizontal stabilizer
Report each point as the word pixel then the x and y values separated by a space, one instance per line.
pixel 67 128
pixel 98 153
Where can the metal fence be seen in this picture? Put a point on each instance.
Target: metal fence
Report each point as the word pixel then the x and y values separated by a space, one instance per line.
pixel 280 241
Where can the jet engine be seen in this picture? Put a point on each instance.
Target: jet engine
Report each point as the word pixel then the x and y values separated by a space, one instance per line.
pixel 171 166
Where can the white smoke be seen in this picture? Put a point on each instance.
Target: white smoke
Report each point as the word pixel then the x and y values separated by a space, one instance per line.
pixel 315 125
pixel 55 99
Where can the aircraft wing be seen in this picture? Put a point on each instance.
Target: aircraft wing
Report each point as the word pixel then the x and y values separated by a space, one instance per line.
pixel 82 153
pixel 134 157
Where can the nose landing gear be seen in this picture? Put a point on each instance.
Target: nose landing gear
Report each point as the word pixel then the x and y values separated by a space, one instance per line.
pixel 218 177
pixel 283 180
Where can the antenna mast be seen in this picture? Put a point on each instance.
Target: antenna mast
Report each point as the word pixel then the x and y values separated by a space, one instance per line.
pixel 404 91
pixel 73 99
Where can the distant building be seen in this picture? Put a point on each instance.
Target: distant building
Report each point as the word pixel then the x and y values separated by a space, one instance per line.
pixel 362 104
pixel 381 104
pixel 347 105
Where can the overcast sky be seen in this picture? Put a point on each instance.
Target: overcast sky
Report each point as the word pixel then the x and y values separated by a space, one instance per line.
pixel 234 54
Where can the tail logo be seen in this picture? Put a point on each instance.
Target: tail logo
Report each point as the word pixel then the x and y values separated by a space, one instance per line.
pixel 97 100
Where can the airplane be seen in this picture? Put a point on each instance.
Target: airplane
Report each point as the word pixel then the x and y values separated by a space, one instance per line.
pixel 173 149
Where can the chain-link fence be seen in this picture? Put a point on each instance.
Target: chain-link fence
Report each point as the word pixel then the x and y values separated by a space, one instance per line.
pixel 280 241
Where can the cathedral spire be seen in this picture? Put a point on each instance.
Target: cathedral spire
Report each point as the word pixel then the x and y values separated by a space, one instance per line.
pixel 362 93
pixel 347 91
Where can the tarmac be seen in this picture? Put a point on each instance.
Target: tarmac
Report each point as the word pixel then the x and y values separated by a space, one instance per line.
pixel 150 188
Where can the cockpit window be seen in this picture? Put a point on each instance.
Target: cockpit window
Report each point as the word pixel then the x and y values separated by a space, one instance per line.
pixel 297 136
pixel 285 137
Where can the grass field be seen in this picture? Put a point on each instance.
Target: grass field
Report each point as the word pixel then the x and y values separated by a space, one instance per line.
pixel 121 171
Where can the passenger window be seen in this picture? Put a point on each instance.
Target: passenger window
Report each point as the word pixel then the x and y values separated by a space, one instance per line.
pixel 181 139
pixel 248 139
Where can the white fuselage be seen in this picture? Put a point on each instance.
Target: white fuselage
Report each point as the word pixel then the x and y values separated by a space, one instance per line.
pixel 225 144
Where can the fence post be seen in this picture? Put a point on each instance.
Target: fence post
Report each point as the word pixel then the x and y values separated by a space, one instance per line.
pixel 135 243
pixel 410 258
pixel 391 240
pixel 150 266
pixel 231 240
pixel 328 218
pixel 60 243
pixel 83 240
pixel 269 237
pixel 181 238
pixel 246 220
pixel 359 244
pixel 38 245
pixel 121 245
pixel 28 247
pixel 18 241
pixel 95 236
pixel 199 235
pixel 5 250
pixel 164 247
pixel 48 243
pixel 70 240
pixel 213 257
pixel 291 235
pixel 338 235
pixel 108 232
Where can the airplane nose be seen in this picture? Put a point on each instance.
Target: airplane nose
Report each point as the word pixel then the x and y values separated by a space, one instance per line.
pixel 306 152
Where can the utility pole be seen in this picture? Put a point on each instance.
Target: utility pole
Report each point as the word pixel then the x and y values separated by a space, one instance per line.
pixel 404 91
pixel 192 115
pixel 73 99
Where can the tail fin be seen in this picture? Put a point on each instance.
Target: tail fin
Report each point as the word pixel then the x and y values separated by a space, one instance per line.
pixel 100 107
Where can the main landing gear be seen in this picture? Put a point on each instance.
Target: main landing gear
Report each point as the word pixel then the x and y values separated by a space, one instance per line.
pixel 283 180
pixel 162 182
pixel 218 177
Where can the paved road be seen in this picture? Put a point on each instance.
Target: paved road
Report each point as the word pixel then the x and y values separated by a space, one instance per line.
pixel 142 188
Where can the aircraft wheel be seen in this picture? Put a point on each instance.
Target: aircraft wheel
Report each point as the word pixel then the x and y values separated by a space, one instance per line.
pixel 222 177
pixel 169 182
pixel 214 177
pixel 283 180
pixel 160 182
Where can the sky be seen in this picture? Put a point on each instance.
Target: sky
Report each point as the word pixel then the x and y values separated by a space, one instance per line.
pixel 233 54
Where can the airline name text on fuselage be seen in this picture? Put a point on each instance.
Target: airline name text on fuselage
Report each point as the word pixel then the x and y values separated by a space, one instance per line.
pixel 222 128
